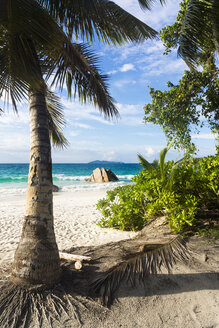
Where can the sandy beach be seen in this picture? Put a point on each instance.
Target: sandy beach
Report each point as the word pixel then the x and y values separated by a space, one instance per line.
pixel 75 218
pixel 187 298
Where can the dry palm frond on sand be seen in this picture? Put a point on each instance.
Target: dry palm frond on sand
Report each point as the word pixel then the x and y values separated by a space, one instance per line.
pixel 149 259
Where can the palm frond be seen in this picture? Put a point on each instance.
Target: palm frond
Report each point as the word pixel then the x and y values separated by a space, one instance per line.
pixel 75 65
pixel 215 22
pixel 13 79
pixel 24 27
pixel 102 18
pixel 56 120
pixel 28 18
pixel 143 162
pixel 199 30
pixel 23 41
pixel 173 172
pixel 155 163
pixel 135 267
pixel 147 4
pixel 163 154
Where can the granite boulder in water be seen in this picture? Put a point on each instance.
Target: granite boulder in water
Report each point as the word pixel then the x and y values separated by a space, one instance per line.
pixel 55 188
pixel 102 175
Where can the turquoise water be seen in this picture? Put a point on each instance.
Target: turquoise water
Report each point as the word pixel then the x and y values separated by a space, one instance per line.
pixel 70 177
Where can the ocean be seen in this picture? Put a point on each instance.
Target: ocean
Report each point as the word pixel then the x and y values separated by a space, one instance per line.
pixel 70 177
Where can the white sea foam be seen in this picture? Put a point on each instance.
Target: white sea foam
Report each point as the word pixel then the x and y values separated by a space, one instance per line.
pixel 80 186
pixel 125 177
pixel 12 191
pixel 17 178
pixel 63 177
pixel 93 186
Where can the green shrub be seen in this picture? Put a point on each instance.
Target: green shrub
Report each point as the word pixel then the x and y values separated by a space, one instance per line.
pixel 177 190
pixel 124 208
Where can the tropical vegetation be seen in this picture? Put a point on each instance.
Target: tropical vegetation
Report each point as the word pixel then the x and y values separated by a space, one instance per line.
pixel 184 192
pixel 192 102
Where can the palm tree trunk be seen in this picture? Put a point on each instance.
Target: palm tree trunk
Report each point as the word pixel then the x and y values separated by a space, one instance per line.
pixel 36 260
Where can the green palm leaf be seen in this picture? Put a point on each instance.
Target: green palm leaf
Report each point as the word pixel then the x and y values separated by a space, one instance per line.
pixel 56 120
pixel 72 64
pixel 143 162
pixel 147 4
pixel 135 267
pixel 155 163
pixel 75 65
pixel 101 18
pixel 215 23
pixel 200 27
pixel 14 78
pixel 163 154
pixel 24 28
pixel 173 173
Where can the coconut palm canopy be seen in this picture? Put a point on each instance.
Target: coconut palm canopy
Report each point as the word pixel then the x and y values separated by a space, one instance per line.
pixel 200 26
pixel 30 36
pixel 32 45
pixel 101 18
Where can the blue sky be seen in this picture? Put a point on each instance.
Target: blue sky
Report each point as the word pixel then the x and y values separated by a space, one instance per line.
pixel 131 68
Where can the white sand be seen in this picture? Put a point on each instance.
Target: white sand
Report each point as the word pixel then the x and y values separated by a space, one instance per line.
pixel 75 218
pixel 187 299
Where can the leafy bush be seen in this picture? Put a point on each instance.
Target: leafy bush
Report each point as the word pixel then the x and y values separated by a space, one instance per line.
pixel 178 190
pixel 123 208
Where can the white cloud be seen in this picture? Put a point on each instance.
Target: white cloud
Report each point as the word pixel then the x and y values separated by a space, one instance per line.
pixel 148 134
pixel 122 83
pixel 88 143
pixel 127 67
pixel 11 118
pixel 123 68
pixel 149 151
pixel 82 125
pixel 205 136
pixel 129 109
pixel 132 121
pixel 149 60
pixel 109 156
pixel 131 115
pixel 74 111
pixel 158 17
pixel 15 141
pixel 165 66
pixel 73 133
pixel 112 72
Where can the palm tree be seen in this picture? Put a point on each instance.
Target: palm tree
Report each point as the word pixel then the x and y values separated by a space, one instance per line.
pixel 199 31
pixel 36 259
pixel 166 177
pixel 33 47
